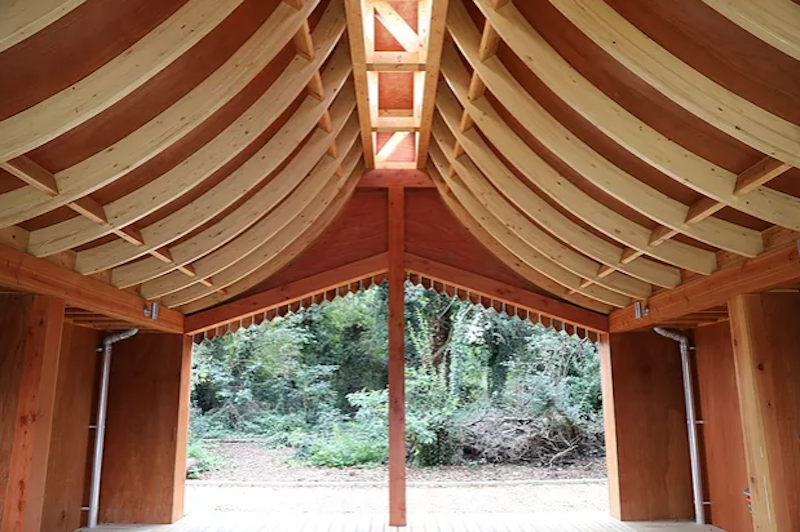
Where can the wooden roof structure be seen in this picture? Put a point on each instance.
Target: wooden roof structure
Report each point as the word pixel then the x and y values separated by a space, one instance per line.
pixel 619 163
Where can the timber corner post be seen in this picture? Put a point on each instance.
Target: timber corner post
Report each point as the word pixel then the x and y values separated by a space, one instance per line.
pixel 767 365
pixel 397 437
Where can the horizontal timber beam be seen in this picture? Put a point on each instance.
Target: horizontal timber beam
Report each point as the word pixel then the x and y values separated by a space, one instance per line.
pixel 384 178
pixel 507 293
pixel 276 297
pixel 767 271
pixel 25 272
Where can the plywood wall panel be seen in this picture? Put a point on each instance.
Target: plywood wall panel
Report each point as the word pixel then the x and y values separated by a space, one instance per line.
pixel 723 443
pixel 358 232
pixel 434 233
pixel 647 443
pixel 145 431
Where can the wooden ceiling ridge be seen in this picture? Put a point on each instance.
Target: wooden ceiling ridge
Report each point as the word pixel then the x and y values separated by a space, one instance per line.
pixel 419 58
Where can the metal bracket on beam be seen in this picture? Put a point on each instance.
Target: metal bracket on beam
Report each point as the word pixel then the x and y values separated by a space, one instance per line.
pixel 640 310
pixel 152 311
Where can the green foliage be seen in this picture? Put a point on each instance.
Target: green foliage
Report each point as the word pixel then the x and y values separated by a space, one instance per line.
pixel 479 385
pixel 363 441
pixel 203 459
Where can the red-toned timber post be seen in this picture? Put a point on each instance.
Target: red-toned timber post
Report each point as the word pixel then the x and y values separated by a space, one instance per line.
pixel 397 405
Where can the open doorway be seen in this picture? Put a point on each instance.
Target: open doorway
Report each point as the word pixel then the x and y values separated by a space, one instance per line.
pixel 503 414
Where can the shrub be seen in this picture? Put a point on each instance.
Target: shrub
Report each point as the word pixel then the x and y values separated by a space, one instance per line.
pixel 362 441
pixel 203 459
pixel 343 447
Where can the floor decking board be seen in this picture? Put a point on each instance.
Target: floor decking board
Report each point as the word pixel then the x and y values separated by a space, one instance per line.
pixel 258 522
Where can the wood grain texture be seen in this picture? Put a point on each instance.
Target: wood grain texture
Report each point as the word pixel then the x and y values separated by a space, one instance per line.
pixel 38 342
pixel 725 475
pixel 513 295
pixel 272 273
pixel 13 312
pixel 270 299
pixel 20 270
pixel 397 356
pixel 145 431
pixel 67 469
pixel 769 270
pixel 649 476
pixel 766 339
pixel 22 19
pixel 389 178
pixel 113 81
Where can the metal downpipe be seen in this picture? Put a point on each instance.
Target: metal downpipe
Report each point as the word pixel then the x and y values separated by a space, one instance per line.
pixel 691 421
pixel 100 435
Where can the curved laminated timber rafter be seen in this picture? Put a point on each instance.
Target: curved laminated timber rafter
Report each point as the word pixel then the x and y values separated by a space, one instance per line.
pixel 606 152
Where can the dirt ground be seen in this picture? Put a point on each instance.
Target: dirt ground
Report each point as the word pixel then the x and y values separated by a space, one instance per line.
pixel 248 462
pixel 255 479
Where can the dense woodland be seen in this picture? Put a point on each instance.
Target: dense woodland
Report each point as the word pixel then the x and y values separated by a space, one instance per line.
pixel 480 386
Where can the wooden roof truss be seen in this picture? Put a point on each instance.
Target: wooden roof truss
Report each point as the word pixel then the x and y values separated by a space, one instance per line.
pixel 610 152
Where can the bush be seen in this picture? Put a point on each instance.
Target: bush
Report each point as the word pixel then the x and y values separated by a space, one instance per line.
pixel 429 418
pixel 362 441
pixel 344 447
pixel 202 460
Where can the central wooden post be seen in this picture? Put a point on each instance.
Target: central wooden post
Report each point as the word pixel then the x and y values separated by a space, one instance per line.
pixel 397 404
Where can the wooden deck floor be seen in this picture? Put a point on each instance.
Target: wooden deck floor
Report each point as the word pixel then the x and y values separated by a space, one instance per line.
pixel 249 522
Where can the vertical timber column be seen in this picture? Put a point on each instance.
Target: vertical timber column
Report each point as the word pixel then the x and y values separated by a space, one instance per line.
pixel 397 404
pixel 647 446
pixel 766 345
pixel 30 334
pixel 144 461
